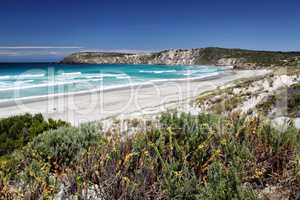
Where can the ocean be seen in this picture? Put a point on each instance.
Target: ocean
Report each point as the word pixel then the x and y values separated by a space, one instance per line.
pixel 30 80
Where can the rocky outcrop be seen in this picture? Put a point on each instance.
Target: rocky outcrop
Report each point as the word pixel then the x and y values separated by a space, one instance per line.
pixel 238 58
pixel 169 57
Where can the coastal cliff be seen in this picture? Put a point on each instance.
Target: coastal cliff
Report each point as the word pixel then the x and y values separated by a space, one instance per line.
pixel 239 58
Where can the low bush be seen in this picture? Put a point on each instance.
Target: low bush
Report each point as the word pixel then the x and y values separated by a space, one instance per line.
pixel 38 163
pixel 62 146
pixel 17 131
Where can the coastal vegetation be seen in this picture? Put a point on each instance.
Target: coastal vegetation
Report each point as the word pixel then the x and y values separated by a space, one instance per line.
pixel 258 58
pixel 17 131
pixel 206 156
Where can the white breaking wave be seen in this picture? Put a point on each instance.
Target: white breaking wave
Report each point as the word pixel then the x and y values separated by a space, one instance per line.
pixel 114 75
pixel 67 76
pixel 102 75
pixel 21 86
pixel 30 75
pixel 191 72
pixel 71 73
pixel 122 77
pixel 21 76
pixel 23 82
pixel 87 76
pixel 4 77
pixel 79 75
pixel 157 71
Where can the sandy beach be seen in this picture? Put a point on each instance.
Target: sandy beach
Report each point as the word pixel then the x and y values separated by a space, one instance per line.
pixel 138 99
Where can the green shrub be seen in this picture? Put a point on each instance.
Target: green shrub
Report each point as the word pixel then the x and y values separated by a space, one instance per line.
pixel 225 183
pixel 35 166
pixel 17 131
pixel 62 146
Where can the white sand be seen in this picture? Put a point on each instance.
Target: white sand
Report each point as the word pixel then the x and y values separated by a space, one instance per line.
pixel 140 100
pixel 264 88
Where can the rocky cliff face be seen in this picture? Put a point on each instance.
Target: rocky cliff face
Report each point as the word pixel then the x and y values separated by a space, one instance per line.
pixel 211 56
pixel 169 57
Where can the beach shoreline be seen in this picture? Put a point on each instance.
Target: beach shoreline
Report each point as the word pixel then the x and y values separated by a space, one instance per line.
pixel 31 99
pixel 141 99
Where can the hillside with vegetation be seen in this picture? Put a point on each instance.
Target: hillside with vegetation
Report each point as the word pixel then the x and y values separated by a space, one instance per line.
pixel 239 58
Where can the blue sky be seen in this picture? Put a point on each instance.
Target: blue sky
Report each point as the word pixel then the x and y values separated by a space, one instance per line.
pixel 47 30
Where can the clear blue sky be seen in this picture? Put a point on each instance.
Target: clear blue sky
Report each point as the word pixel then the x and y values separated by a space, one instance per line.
pixel 33 29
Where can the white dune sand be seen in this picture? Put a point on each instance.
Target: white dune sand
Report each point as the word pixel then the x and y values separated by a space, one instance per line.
pixel 137 100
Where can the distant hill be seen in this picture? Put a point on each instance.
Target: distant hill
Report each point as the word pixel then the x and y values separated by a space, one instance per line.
pixel 239 58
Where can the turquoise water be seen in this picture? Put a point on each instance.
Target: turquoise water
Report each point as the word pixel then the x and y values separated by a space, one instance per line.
pixel 39 79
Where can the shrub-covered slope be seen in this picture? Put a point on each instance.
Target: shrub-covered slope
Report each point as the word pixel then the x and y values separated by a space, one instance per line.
pixel 185 157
